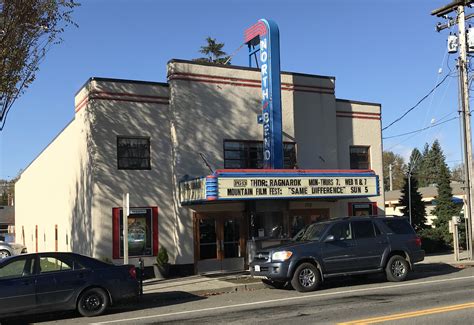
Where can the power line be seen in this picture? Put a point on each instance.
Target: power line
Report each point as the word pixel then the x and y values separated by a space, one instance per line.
pixel 419 130
pixel 418 103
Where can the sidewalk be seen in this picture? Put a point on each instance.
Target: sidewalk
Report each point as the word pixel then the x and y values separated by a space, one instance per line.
pixel 214 284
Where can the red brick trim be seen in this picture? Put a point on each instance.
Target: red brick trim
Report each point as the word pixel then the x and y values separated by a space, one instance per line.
pixel 253 83
pixel 359 115
pixel 124 97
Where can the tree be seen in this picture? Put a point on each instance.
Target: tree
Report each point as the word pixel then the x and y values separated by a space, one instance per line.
pixel 422 176
pixel 418 213
pixel 445 207
pixel 457 173
pixel 433 163
pixel 7 190
pixel 213 52
pixel 28 30
pixel 398 165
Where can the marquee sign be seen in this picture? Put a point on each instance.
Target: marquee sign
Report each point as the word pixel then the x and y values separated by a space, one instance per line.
pixel 265 36
pixel 282 184
pixel 193 190
pixel 295 187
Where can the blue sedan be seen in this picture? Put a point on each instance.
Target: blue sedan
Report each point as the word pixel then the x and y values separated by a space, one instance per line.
pixel 45 282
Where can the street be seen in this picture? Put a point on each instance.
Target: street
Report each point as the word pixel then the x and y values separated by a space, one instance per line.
pixel 434 294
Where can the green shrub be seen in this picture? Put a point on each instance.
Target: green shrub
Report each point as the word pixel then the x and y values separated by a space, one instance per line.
pixel 162 257
pixel 433 241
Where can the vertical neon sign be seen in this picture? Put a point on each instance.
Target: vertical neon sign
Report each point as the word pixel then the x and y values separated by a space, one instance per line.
pixel 264 37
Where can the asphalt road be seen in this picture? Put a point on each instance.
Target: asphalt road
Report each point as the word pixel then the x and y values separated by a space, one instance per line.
pixel 434 294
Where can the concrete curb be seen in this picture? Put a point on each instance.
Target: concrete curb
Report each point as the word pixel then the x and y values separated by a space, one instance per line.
pixel 179 295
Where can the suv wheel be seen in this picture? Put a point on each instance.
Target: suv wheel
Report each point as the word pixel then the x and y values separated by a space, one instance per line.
pixel 273 284
pixel 396 269
pixel 306 278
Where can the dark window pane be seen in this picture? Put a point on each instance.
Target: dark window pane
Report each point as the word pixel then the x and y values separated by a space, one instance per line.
pixel 341 231
pixel 399 227
pixel 207 239
pixel 363 229
pixel 362 209
pixel 359 157
pixel 133 152
pixel 52 264
pixel 14 269
pixel 249 154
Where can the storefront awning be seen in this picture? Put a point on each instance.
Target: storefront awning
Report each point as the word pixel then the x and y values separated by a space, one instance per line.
pixel 259 184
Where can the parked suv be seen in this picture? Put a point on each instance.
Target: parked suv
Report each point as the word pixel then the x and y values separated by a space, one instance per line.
pixel 339 247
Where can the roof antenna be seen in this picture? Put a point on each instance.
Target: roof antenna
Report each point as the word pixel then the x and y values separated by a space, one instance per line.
pixel 205 161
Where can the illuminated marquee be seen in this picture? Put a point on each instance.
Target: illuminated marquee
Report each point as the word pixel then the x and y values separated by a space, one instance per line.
pixel 283 184
pixel 296 187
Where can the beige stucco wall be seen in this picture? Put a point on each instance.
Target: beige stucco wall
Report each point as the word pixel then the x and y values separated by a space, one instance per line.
pixel 48 190
pixel 359 124
pixel 128 109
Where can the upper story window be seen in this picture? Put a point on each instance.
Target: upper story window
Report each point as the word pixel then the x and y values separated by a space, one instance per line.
pixel 133 152
pixel 239 154
pixel 360 158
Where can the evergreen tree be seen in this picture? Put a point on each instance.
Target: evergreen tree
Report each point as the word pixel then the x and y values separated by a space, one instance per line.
pixel 433 164
pixel 445 207
pixel 418 213
pixel 415 161
pixel 422 175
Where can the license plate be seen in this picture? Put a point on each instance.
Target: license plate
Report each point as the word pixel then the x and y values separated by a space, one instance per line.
pixel 257 268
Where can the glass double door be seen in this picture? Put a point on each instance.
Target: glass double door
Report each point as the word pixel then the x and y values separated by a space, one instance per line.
pixel 219 244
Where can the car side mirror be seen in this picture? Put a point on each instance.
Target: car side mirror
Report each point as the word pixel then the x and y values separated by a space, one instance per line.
pixel 329 238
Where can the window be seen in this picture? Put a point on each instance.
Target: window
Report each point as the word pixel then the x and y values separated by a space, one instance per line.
pixel 363 229
pixel 133 153
pixel 300 219
pixel 52 264
pixel 3 229
pixel 341 231
pixel 363 209
pixel 249 154
pixel 359 156
pixel 399 226
pixel 16 269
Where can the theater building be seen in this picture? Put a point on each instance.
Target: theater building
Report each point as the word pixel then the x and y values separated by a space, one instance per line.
pixel 189 152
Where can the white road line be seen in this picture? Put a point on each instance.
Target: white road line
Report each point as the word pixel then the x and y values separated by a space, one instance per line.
pixel 410 284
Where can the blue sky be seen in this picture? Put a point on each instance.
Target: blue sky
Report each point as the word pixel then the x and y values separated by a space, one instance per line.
pixel 379 51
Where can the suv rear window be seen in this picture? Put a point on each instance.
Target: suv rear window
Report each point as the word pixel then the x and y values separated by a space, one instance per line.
pixel 399 226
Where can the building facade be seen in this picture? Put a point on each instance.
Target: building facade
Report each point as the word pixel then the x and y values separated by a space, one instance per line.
pixel 145 138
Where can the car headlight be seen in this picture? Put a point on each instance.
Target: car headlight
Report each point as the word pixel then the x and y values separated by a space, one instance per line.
pixel 281 256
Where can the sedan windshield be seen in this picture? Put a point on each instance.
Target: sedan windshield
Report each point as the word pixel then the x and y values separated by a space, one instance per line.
pixel 312 232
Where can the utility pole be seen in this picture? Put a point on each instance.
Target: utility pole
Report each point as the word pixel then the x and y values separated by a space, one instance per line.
pixel 390 176
pixel 458 7
pixel 409 194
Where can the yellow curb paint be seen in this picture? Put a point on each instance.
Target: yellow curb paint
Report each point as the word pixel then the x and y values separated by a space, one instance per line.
pixel 417 313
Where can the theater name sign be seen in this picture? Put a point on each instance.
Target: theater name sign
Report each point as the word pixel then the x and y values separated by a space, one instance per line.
pixel 224 185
